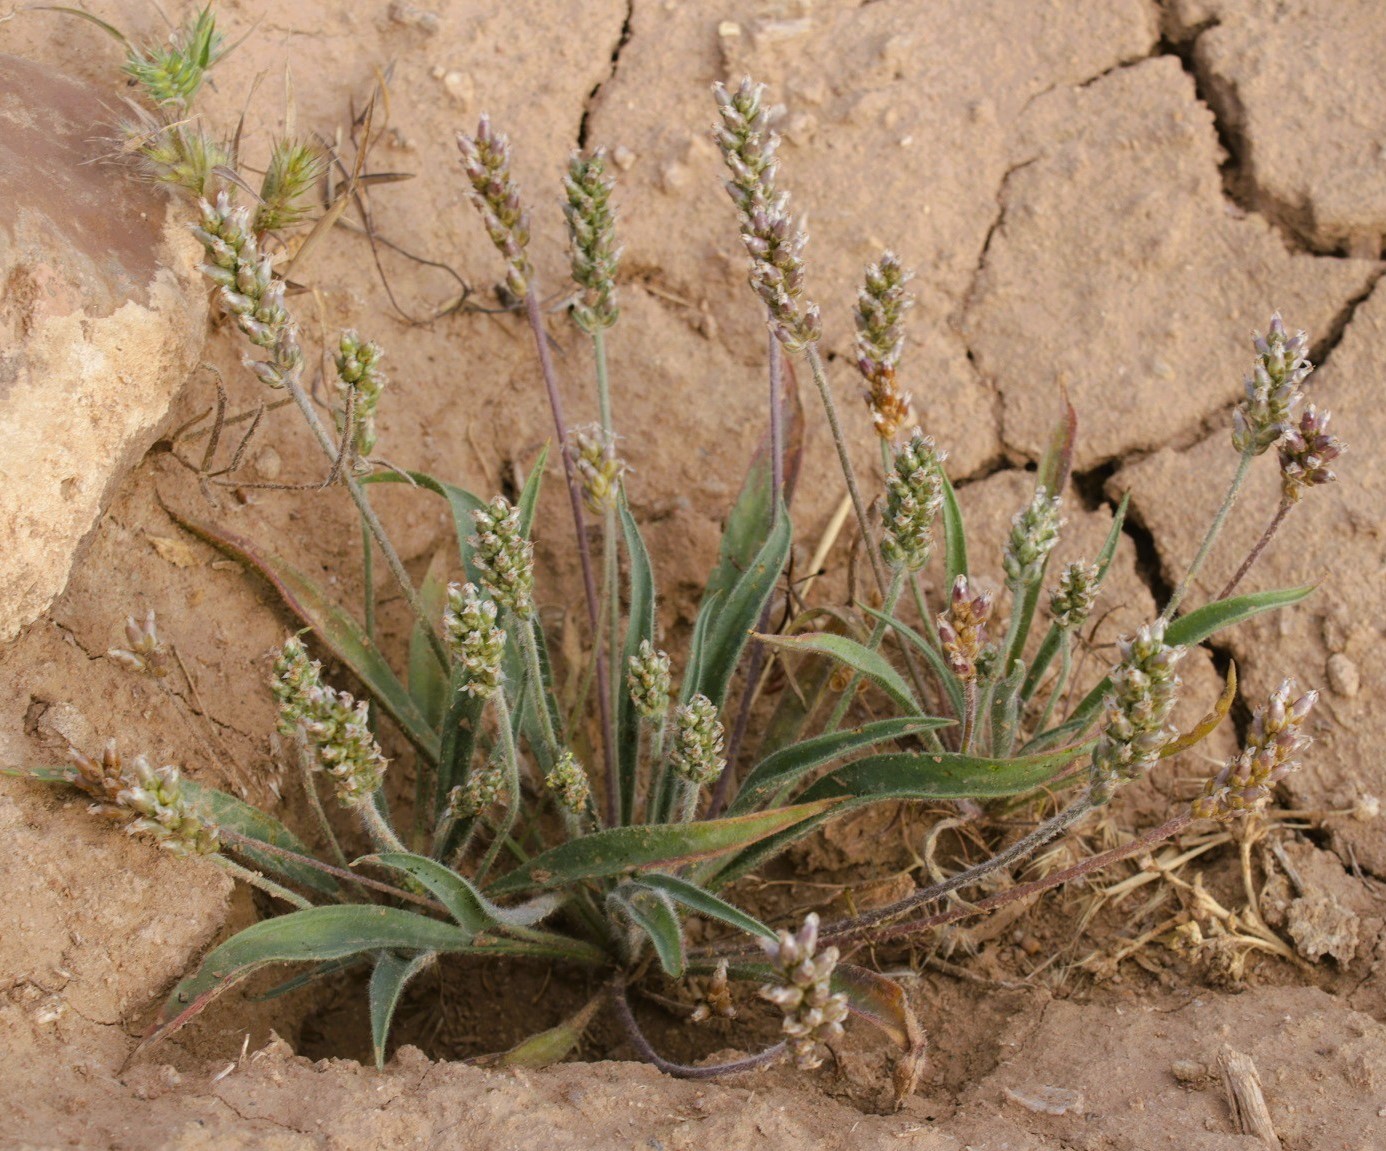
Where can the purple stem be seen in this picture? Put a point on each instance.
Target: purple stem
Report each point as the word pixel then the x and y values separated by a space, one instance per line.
pixel 589 581
pixel 1255 553
pixel 682 1070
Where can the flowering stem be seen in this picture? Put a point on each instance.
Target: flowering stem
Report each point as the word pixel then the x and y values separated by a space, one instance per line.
pixel 611 590
pixel 1214 528
pixel 1010 895
pixel 368 517
pixel 820 379
pixel 680 1070
pixel 510 761
pixel 897 585
pixel 381 833
pixel 306 759
pixel 755 668
pixel 368 580
pixel 969 718
pixel 1274 526
pixel 1060 684
pixel 589 581
pixel 775 356
pixel 658 772
pixel 255 879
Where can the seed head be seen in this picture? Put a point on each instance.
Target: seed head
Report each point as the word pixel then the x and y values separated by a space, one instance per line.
pixel 504 556
pixel 592 236
pixel 494 194
pixel 1274 742
pixel 338 727
pixel 881 304
pixel 1144 686
pixel 649 681
pixel 478 646
pixel 697 752
pixel 103 779
pixel 598 467
pixel 1272 388
pixel 295 676
pixel 1305 452
pixel 163 811
pixel 295 166
pixel 180 154
pixel 145 653
pixel 482 788
pixel 962 629
pixel 775 245
pixel 358 369
pixel 914 494
pixel 802 989
pixel 1071 602
pixel 1034 532
pixel 171 74
pixel 568 781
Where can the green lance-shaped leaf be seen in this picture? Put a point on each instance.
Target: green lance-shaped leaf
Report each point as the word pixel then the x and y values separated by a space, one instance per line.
pixel 1185 631
pixel 807 684
pixel 900 776
pixel 851 654
pixel 652 911
pixel 702 902
pixel 464 902
pixel 731 616
pixel 387 985
pixel 461 502
pixel 955 535
pixel 622 850
pixel 341 634
pixel 236 815
pixel 548 1047
pixel 946 676
pixel 316 935
pixel 787 766
pixel 461 724
pixel 529 495
pixel 640 626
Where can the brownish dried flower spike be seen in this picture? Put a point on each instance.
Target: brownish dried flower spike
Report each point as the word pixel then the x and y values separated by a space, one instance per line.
pixel 1306 450
pixel 102 780
pixel 813 1012
pixel 495 195
pixel 1276 738
pixel 146 654
pixel 962 629
pixel 881 304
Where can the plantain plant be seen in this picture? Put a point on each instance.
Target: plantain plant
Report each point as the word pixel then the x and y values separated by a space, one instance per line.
pixel 509 845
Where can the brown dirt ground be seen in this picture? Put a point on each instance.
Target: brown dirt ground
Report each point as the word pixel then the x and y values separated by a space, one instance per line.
pixel 1100 196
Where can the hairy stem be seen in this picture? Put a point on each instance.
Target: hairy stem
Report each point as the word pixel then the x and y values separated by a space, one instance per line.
pixel 534 672
pixel 589 581
pixel 1252 556
pixel 611 591
pixel 1210 537
pixel 380 831
pixel 1060 684
pixel 775 357
pixel 511 762
pixel 306 760
pixel 646 1052
pixel 820 379
pixel 255 879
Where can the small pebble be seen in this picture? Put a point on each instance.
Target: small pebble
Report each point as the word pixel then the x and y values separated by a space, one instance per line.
pixel 1343 676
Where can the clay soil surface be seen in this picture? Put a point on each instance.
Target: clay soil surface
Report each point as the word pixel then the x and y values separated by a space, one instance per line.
pixel 1104 197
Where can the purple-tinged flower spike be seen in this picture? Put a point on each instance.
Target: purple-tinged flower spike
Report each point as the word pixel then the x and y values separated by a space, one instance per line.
pixel 1305 451
pixel 775 245
pixel 146 653
pixel 1276 739
pixel 592 236
pixel 881 305
pixel 1272 389
pixel 962 629
pixel 338 726
pixel 813 1012
pixel 495 195
pixel 1144 686
pixel 914 494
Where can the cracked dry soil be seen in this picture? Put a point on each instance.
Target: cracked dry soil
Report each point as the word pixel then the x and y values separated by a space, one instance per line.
pixel 1103 197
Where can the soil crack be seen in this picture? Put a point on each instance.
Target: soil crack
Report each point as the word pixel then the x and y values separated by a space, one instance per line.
pixel 593 96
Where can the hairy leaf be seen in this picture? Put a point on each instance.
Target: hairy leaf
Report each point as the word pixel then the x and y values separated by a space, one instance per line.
pixel 469 907
pixel 955 535
pixel 652 910
pixel 387 984
pixel 860 658
pixel 705 903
